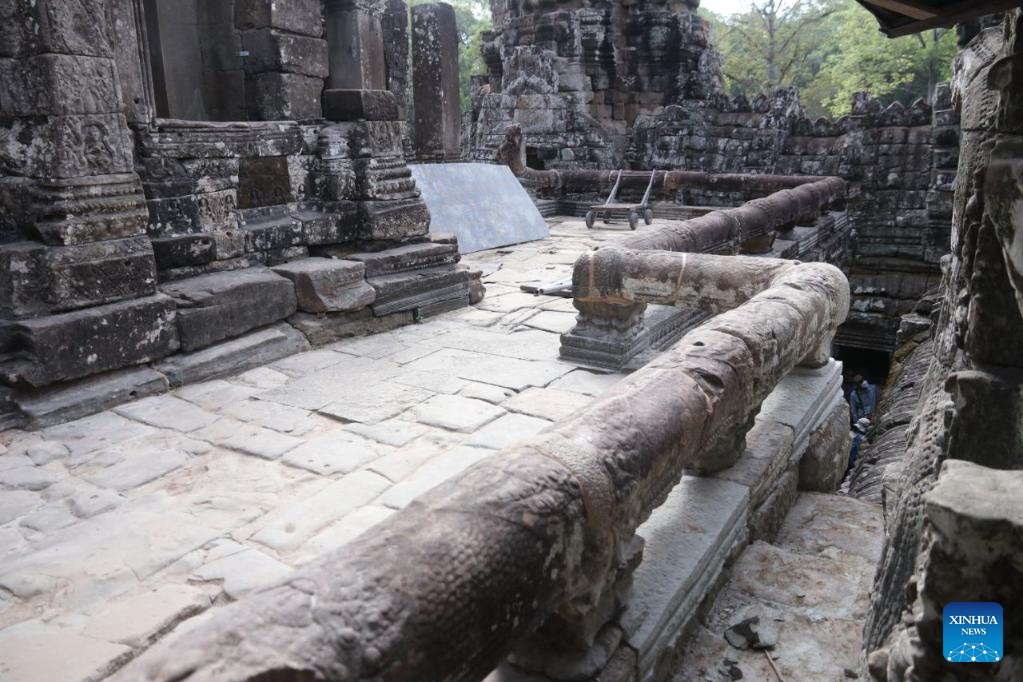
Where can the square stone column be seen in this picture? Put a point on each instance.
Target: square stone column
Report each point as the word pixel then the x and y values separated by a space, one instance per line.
pixel 435 82
pixel 356 45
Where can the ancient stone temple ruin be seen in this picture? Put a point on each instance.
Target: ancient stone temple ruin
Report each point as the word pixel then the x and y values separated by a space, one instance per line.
pixel 263 416
pixel 177 177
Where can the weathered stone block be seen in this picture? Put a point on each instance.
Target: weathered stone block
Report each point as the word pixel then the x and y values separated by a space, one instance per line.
pixel 274 231
pixel 58 404
pixel 298 16
pixel 237 355
pixel 192 213
pixel 225 304
pixel 263 181
pixel 184 250
pixel 354 105
pixel 823 464
pixel 333 222
pixel 24 279
pixel 58 84
pixel 329 327
pixel 394 219
pixel 283 97
pixel 272 50
pixel 88 209
pixel 43 350
pixel 101 272
pixel 328 285
pixel 407 258
pixel 419 289
pixel 68 146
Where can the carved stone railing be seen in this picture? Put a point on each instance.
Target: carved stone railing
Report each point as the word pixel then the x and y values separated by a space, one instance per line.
pixel 611 333
pixel 540 532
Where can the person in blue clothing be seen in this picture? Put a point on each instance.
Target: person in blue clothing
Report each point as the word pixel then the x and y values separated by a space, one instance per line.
pixel 862 399
pixel 859 434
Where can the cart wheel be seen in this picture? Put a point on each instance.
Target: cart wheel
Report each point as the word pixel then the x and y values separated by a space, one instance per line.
pixel 589 220
pixel 633 220
pixel 648 215
pixel 607 217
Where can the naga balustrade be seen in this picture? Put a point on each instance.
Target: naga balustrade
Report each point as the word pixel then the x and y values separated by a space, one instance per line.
pixel 445 588
pixel 610 333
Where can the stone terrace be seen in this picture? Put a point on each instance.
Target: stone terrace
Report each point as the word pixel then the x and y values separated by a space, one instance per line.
pixel 119 525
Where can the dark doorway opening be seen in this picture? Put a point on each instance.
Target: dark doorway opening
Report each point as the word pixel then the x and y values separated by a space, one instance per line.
pixel 872 365
pixel 537 158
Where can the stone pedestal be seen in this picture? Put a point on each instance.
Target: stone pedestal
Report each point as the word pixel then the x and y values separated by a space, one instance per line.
pixel 435 82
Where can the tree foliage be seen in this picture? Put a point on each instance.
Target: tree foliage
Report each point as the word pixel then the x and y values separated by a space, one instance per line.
pixel 829 49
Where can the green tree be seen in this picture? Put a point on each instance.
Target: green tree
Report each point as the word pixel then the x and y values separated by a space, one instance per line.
pixel 891 69
pixel 829 49
pixel 775 42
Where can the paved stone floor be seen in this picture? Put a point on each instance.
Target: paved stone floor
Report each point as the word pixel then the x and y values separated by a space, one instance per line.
pixel 116 527
pixel 811 586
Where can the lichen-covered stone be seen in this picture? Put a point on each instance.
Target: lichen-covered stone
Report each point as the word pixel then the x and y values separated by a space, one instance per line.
pixel 40 351
pixel 327 285
pixel 219 306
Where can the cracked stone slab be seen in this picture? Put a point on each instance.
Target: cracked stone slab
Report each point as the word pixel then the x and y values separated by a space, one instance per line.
pixel 215 394
pixel 456 413
pixel 243 572
pixel 345 530
pixel 586 382
pixel 248 438
pixel 337 452
pixel 301 521
pixel 394 432
pixel 16 503
pixel 373 403
pixel 139 619
pixel 85 436
pixel 35 652
pixel 510 373
pixel 167 412
pixel 344 380
pixel 546 403
pixel 506 431
pixel 433 473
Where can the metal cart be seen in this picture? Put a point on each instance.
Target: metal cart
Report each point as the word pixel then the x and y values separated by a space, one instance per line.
pixel 633 211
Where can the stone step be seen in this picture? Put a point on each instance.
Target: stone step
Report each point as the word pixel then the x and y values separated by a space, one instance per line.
pixel 402 258
pixel 222 305
pixel 325 285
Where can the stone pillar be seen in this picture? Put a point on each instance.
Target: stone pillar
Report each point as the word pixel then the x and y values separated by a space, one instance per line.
pixel 435 82
pixel 395 25
pixel 356 45
pixel 285 58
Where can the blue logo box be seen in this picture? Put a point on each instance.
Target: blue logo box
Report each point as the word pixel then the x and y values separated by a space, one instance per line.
pixel 972 632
